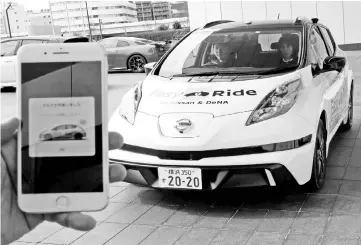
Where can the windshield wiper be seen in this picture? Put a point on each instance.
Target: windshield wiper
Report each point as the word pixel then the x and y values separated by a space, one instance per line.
pixel 277 69
pixel 214 73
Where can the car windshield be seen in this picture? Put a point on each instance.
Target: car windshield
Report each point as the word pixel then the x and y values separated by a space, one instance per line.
pixel 239 51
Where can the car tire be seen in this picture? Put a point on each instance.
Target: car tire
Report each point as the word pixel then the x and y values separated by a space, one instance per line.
pixel 136 63
pixel 348 125
pixel 319 164
pixel 78 136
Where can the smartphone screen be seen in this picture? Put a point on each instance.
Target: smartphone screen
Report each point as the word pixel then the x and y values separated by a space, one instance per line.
pixel 61 113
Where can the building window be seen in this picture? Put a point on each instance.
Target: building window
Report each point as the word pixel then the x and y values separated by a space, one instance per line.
pixel 18 27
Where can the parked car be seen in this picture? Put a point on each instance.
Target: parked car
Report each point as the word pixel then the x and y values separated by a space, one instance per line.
pixel 130 53
pixel 66 131
pixel 224 109
pixel 10 47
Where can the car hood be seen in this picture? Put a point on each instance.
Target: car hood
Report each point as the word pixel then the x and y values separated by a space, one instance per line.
pixel 218 97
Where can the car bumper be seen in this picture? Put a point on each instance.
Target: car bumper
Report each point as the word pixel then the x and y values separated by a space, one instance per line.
pixel 227 158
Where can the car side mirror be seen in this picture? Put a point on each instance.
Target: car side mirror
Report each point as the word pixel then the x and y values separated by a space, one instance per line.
pixel 148 67
pixel 334 63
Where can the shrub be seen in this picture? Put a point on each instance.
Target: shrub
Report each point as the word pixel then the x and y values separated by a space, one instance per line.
pixel 177 25
pixel 163 27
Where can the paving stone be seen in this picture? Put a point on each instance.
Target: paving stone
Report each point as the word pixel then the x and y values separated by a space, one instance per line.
pixel 338 141
pixel 151 197
pixel 187 216
pixel 132 235
pixel 355 157
pixel 197 236
pixel 302 239
pixel 156 215
pixel 344 225
pixel 330 187
pixel 129 194
pixel 64 236
pixel 100 234
pixel 335 173
pixel 277 221
pixel 358 143
pixel 246 219
pixel 353 173
pixel 41 232
pixel 266 238
pixel 292 202
pixel 215 217
pixel 339 156
pixel 348 205
pixel 319 203
pixel 310 223
pixel 231 237
pixel 129 213
pixel 23 243
pixel 351 188
pixel 164 235
pixel 334 240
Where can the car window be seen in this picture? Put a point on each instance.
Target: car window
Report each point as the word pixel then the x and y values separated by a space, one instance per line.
pixel 329 42
pixel 121 44
pixel 109 43
pixel 233 50
pixel 317 51
pixel 8 48
pixel 31 41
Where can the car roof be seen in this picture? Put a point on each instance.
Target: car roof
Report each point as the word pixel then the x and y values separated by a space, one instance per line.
pixel 227 24
pixel 46 37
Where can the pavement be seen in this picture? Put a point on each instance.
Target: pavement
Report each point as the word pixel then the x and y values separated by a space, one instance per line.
pixel 252 216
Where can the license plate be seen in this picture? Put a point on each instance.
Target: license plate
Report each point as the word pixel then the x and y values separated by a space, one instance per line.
pixel 180 178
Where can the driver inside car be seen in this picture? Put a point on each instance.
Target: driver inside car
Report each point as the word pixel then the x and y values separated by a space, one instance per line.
pixel 220 53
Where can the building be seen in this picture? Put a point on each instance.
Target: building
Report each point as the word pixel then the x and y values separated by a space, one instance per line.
pixel 18 19
pixel 72 16
pixel 149 10
pixel 41 17
pixel 342 17
pixel 179 9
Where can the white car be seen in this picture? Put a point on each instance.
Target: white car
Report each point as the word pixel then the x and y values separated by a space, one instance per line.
pixel 224 108
pixel 10 47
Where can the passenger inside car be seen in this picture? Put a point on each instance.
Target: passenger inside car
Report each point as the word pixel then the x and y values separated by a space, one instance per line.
pixel 288 47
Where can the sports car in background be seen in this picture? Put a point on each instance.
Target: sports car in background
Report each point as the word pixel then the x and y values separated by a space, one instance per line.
pixel 130 53
pixel 237 104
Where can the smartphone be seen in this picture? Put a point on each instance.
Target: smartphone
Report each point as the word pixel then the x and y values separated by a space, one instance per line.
pixel 63 137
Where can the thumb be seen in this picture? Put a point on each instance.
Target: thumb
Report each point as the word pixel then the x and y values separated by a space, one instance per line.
pixel 8 128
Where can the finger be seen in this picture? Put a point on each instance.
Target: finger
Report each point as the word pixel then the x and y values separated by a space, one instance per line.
pixel 117 172
pixel 115 141
pixel 8 128
pixel 76 221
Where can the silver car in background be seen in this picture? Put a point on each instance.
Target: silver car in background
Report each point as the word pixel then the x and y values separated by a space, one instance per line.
pixel 130 53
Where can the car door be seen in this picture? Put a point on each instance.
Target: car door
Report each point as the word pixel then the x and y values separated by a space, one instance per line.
pixel 8 61
pixel 332 81
pixel 110 44
pixel 121 54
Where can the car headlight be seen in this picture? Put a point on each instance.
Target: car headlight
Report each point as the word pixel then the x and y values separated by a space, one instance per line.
pixel 130 103
pixel 278 102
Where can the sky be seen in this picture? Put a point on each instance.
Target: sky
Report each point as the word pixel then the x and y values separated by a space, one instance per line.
pixel 34 4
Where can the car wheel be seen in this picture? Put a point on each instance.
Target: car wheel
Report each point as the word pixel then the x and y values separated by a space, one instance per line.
pixel 136 63
pixel 78 136
pixel 48 137
pixel 318 174
pixel 348 125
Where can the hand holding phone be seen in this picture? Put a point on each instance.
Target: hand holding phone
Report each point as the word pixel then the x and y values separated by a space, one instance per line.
pixel 63 143
pixel 15 222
